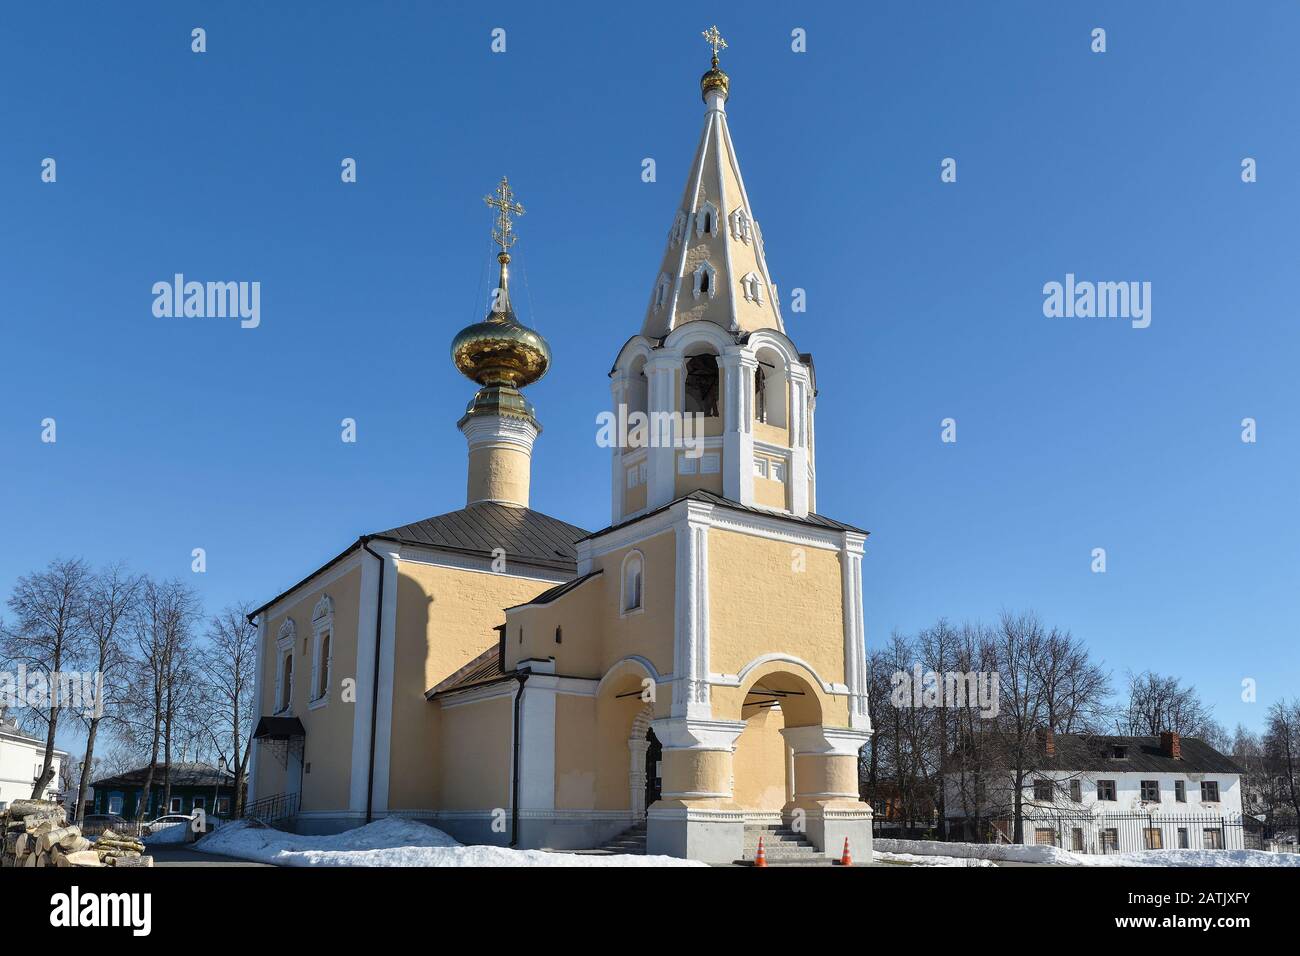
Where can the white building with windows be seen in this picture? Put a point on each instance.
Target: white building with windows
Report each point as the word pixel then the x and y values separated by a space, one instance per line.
pixel 22 757
pixel 1099 794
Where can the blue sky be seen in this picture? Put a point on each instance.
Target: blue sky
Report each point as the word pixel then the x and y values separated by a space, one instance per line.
pixel 925 298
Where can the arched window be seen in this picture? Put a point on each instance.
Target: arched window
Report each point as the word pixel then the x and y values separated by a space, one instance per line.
pixel 661 292
pixel 706 220
pixel 633 582
pixel 705 281
pixel 742 227
pixel 679 228
pixel 284 641
pixel 760 395
pixel 559 635
pixel 752 286
pixel 771 388
pixel 322 628
pixel 701 391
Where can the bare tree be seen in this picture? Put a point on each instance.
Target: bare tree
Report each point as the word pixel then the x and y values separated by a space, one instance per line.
pixel 228 667
pixel 162 635
pixel 1282 752
pixel 47 638
pixel 1157 703
pixel 109 607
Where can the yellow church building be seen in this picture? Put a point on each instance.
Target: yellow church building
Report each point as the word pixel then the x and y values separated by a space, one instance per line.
pixel 694 672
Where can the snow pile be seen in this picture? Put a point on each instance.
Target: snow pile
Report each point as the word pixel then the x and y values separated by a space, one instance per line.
pixel 1055 856
pixel 393 841
pixel 913 859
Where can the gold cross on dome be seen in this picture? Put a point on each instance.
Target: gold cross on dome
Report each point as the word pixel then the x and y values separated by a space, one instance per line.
pixel 503 233
pixel 714 39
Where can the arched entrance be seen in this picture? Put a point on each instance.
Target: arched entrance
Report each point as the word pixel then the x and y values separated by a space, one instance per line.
pixel 654 752
pixel 643 779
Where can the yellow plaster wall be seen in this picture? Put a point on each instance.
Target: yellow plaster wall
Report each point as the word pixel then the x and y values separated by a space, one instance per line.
pixel 445 618
pixel 498 474
pixel 759 765
pixel 475 741
pixel 328 728
pixel 576 752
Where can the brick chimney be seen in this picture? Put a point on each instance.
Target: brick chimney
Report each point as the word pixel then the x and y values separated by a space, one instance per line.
pixel 1049 741
pixel 1170 745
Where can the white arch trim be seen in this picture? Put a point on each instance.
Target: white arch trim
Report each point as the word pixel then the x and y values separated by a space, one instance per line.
pixel 638 660
pixel 699 330
pixel 736 680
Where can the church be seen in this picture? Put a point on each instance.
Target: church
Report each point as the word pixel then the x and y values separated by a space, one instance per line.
pixel 694 672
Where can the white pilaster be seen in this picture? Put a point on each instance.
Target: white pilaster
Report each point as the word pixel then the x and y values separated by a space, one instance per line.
pixel 738 367
pixel 691 638
pixel 661 456
pixel 855 666
pixel 537 739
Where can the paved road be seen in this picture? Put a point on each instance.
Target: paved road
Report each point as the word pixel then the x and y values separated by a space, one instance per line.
pixel 184 856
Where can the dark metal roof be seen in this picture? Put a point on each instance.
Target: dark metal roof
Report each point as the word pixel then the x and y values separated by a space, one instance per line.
pixel 551 594
pixel 279 728
pixel 527 536
pixel 182 775
pixel 484 669
pixel 815 520
pixel 1079 752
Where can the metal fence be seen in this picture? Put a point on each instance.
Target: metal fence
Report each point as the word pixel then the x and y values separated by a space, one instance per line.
pixel 1126 832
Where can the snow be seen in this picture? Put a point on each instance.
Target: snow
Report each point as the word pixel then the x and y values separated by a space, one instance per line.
pixel 393 841
pixel 914 859
pixel 1054 856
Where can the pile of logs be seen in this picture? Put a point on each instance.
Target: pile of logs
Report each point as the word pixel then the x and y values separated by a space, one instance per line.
pixel 36 833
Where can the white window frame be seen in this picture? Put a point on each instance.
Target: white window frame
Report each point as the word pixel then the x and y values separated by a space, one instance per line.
pixel 698 279
pixel 752 286
pixel 661 292
pixel 706 213
pixel 175 806
pixel 623 598
pixel 284 647
pixel 710 463
pixel 119 800
pixel 678 231
pixel 742 225
pixel 198 802
pixel 686 465
pixel 760 467
pixel 322 623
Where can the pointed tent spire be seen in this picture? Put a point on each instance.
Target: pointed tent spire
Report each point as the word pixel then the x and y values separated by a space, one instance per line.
pixel 714 268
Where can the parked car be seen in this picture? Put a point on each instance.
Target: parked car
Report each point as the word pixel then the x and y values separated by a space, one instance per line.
pixel 166 823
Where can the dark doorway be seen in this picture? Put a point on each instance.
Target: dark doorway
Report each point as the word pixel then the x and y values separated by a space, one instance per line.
pixel 653 755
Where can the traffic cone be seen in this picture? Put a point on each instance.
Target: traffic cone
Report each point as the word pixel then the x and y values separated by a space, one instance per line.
pixel 761 858
pixel 846 859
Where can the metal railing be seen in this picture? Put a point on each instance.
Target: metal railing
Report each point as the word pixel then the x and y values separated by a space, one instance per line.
pixel 281 806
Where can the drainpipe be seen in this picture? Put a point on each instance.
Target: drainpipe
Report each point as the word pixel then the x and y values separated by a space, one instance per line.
pixel 522 677
pixel 374 690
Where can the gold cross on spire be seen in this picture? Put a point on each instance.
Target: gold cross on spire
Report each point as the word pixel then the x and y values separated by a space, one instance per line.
pixel 503 233
pixel 714 39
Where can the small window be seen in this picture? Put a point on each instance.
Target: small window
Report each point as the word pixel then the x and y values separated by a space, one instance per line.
pixel 1209 791
pixel 200 803
pixel 521 633
pixel 1106 790
pixel 1151 791
pixel 286 686
pixel 223 806
pixel 1110 840
pixel 760 467
pixel 709 465
pixel 1076 791
pixel 1180 791
pixel 1042 790
pixel 1152 839
pixel 176 805
pixel 115 803
pixel 1118 752
pixel 1212 838
pixel 686 465
pixel 633 586
pixel 323 672
pixel 1182 838
pixel 1044 836
pixel 1076 839
pixel 559 635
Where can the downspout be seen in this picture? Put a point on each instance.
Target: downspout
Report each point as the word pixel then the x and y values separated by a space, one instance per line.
pixel 522 677
pixel 374 690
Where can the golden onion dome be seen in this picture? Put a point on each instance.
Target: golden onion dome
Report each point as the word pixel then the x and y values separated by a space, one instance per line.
pixel 715 79
pixel 500 351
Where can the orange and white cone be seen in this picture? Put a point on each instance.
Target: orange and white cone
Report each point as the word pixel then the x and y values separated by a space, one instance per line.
pixel 761 858
pixel 846 859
